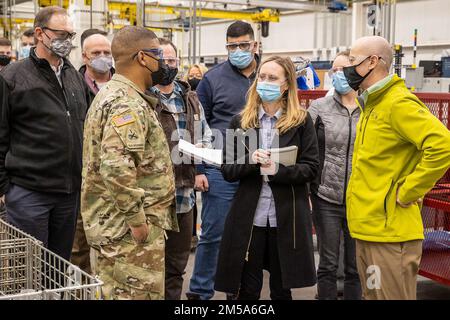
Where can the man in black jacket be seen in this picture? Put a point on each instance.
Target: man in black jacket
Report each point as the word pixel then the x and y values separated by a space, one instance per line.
pixel 43 106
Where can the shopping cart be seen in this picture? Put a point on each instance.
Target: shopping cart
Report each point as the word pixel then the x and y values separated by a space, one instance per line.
pixel 29 271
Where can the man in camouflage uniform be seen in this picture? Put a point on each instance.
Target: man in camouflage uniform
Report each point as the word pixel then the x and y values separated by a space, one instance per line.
pixel 127 199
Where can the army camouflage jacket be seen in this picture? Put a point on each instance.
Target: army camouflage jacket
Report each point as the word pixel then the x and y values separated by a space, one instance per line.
pixel 127 176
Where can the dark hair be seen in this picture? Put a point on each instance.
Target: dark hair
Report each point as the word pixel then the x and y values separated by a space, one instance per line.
pixel 129 40
pixel 239 29
pixel 28 33
pixel 5 42
pixel 44 15
pixel 165 42
pixel 89 32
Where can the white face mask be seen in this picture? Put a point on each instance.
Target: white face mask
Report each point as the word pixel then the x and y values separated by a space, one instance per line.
pixel 102 64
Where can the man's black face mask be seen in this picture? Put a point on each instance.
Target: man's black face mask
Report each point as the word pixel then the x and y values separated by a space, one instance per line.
pixel 4 60
pixel 169 77
pixel 354 79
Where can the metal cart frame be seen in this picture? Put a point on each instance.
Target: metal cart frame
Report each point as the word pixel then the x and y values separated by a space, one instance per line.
pixel 29 271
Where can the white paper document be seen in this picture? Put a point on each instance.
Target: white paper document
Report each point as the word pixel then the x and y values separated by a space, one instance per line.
pixel 211 156
pixel 287 156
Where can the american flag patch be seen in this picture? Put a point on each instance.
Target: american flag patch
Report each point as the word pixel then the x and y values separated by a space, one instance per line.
pixel 123 119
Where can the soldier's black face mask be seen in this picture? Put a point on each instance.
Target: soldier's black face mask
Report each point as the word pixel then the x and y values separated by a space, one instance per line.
pixel 162 73
pixel 160 76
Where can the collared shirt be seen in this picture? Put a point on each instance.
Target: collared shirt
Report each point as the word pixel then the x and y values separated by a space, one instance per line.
pixel 265 209
pixel 375 87
pixel 185 197
pixel 94 85
pixel 56 70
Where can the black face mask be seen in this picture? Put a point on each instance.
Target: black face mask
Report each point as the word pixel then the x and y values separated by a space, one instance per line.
pixel 354 79
pixel 169 77
pixel 194 83
pixel 4 60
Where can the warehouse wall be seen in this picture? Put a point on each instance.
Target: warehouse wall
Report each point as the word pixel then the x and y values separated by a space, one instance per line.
pixel 294 34
pixel 432 19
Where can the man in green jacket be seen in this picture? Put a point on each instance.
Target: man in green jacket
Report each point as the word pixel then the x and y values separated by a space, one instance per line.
pixel 401 150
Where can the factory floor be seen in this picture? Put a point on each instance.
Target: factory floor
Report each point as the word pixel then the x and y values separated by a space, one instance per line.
pixel 426 289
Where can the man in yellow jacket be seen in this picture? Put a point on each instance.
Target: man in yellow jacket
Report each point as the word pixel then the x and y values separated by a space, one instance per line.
pixel 400 151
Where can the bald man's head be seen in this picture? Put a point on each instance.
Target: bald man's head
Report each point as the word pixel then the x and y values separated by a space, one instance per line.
pixel 96 46
pixel 129 40
pixel 373 46
pixel 96 40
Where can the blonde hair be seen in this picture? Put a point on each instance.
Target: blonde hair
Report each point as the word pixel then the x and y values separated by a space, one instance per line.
pixel 293 114
pixel 203 69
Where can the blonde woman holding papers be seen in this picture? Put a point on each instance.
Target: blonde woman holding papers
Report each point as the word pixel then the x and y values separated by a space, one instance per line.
pixel 269 218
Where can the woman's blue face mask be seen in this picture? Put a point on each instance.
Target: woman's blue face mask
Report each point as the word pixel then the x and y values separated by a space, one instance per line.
pixel 340 83
pixel 268 92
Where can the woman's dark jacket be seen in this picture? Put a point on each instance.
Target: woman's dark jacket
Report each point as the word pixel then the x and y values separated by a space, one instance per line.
pixel 290 192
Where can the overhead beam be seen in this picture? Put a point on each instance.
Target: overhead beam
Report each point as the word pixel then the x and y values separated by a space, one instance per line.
pixel 255 16
pixel 290 5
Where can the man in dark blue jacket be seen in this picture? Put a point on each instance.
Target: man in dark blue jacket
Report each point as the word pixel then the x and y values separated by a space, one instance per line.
pixel 222 94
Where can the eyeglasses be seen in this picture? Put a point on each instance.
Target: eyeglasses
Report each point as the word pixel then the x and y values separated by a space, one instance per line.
pixel 157 53
pixel 62 34
pixel 244 46
pixel 171 61
pixel 334 70
pixel 352 59
pixel 197 76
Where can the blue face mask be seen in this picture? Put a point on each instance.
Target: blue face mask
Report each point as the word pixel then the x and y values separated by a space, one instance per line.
pixel 24 52
pixel 268 92
pixel 340 83
pixel 241 59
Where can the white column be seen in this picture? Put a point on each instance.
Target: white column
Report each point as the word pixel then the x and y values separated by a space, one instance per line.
pixel 358 21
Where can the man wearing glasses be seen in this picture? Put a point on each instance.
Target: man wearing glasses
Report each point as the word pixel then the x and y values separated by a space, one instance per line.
pixel 44 103
pixel 182 117
pixel 222 94
pixel 127 196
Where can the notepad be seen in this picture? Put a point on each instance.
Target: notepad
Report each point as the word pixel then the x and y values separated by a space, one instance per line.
pixel 210 156
pixel 287 156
